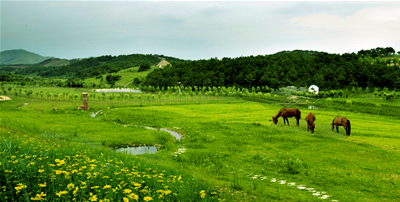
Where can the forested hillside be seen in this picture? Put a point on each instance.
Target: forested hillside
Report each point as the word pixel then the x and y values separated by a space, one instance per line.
pixel 328 71
pixel 95 66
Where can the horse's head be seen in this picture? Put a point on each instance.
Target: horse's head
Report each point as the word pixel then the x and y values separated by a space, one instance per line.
pixel 275 120
pixel 312 128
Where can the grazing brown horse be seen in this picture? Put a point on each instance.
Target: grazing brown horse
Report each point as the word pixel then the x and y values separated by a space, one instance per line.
pixel 310 118
pixel 287 112
pixel 341 121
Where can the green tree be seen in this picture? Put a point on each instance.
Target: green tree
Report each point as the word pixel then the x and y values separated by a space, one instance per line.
pixel 144 67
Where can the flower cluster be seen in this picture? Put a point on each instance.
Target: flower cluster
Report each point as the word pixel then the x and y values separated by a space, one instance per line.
pixel 49 170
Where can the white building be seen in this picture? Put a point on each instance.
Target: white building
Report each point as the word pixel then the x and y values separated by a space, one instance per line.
pixel 313 88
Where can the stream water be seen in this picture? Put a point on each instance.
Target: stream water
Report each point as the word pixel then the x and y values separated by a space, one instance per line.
pixel 147 149
pixel 312 107
pixel 118 90
pixel 138 150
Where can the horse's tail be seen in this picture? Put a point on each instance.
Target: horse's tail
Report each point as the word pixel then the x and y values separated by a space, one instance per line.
pixel 348 128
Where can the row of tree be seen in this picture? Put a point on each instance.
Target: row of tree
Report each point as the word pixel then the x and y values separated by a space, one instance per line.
pixel 379 51
pixel 328 71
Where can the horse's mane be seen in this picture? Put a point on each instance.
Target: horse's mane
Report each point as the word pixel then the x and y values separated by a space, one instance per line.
pixel 277 115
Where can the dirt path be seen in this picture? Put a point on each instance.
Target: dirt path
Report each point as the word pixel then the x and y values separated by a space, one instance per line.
pixel 163 63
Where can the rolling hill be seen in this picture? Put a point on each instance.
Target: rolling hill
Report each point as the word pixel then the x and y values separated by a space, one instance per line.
pixel 20 56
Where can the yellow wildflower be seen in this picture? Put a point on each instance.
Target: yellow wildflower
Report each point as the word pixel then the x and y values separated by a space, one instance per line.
pixel 148 198
pixel 203 194
pixel 93 197
pixel 126 199
pixel 71 186
pixel 21 185
pixel 42 185
pixel 144 191
pixel 106 187
pixel 75 191
pixel 40 170
pixel 127 191
pixel 133 196
pixel 59 194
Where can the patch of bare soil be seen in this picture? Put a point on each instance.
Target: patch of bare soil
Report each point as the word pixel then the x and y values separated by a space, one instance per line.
pixel 163 63
pixel 3 98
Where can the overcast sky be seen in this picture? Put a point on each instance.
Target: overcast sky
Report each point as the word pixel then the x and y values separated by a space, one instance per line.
pixel 197 29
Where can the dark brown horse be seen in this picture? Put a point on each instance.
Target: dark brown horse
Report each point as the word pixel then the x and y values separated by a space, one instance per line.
pixel 310 118
pixel 341 121
pixel 287 112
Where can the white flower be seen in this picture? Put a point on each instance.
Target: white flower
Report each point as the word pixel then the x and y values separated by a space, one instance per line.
pixel 291 184
pixel 273 180
pixel 282 182
pixel 301 186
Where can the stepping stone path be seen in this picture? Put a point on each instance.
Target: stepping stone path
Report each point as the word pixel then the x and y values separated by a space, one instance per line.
pixel 320 194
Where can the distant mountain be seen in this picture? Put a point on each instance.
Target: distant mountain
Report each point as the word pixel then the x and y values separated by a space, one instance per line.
pixel 20 56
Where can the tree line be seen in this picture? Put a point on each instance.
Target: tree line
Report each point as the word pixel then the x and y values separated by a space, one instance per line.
pixel 95 66
pixel 328 71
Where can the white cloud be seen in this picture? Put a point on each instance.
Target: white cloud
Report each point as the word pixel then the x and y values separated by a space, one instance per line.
pixel 365 29
pixel 195 30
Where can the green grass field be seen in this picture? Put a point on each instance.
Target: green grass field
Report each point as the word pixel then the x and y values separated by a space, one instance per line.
pixel 127 76
pixel 231 147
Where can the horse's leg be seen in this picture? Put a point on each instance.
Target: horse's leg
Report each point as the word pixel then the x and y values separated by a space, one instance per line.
pixel 297 119
pixel 308 126
pixel 337 129
pixel 287 121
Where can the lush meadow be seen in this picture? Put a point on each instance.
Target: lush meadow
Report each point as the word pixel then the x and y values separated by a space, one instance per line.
pixel 231 149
